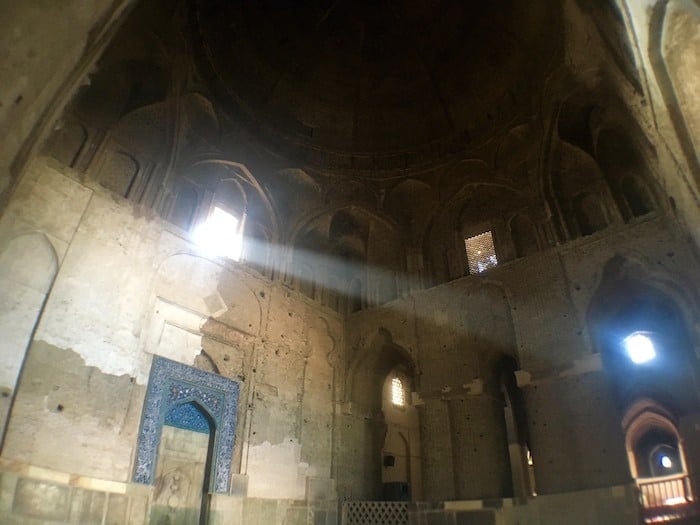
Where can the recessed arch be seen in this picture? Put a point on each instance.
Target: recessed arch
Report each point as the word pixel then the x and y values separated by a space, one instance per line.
pixel 172 384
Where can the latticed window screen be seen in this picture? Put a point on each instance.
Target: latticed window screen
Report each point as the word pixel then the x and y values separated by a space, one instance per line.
pixel 481 254
pixel 375 513
pixel 397 394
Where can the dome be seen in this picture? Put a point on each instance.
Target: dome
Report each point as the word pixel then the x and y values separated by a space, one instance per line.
pixel 403 81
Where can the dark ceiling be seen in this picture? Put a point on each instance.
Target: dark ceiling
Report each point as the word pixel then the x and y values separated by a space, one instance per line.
pixel 374 77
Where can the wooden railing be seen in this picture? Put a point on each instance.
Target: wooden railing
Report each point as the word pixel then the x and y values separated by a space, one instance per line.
pixel 668 498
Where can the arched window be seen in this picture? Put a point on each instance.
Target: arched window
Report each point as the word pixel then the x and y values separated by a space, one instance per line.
pixel 398 394
pixel 221 233
pixel 657 460
pixel 401 480
pixel 481 253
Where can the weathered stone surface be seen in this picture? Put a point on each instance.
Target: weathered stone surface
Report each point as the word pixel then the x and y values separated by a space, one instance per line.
pixel 353 150
pixel 35 499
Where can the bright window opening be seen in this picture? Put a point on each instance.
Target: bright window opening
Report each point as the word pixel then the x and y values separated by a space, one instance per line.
pixel 398 397
pixel 481 254
pixel 639 348
pixel 220 235
pixel 666 462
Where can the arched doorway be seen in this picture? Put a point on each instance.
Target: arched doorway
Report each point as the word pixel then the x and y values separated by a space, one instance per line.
pixel 380 425
pixel 186 440
pixel 657 461
pixel 183 471
pixel 639 323
pixel 522 466
pixel 401 476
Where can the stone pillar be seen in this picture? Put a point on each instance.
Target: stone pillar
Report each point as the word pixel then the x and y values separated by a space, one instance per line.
pixel 575 433
pixel 479 448
pixel 436 449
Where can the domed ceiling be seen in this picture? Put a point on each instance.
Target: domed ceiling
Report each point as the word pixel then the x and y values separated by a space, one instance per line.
pixel 376 78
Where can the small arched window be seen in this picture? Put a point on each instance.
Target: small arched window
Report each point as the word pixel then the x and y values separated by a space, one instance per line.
pixel 481 253
pixel 398 394
pixel 221 233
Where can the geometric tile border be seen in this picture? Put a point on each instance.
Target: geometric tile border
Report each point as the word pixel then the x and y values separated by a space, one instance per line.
pixel 171 384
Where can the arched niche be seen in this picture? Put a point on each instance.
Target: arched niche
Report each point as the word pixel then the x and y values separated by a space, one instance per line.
pixel 524 235
pixel 630 302
pixel 412 202
pixel 370 368
pixel 120 88
pixel 518 152
pixel 522 467
pixel 118 172
pixel 226 192
pixel 581 192
pixel 184 464
pixel 355 295
pixel 67 142
pixel 463 174
pixel 590 213
pixel 232 184
pixel 293 190
pixel 485 315
pixel 199 122
pixel 657 461
pixel 473 210
pixel 347 245
pixel 401 452
pixel 574 120
pixel 627 173
pixel 368 389
pixel 184 209
pixel 145 130
pixel 28 266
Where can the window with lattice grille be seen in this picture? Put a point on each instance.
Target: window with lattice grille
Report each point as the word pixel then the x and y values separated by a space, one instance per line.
pixel 397 393
pixel 481 254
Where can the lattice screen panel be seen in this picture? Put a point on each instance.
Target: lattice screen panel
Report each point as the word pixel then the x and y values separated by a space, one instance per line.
pixel 375 513
pixel 481 254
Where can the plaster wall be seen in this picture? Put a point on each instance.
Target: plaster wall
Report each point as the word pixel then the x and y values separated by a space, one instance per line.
pixel 534 309
pixel 48 49
pixel 128 288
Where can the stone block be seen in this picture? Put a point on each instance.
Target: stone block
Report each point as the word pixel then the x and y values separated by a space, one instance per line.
pixel 117 506
pixel 437 517
pixel 239 485
pixel 8 483
pixel 475 517
pixel 37 499
pixel 225 510
pixel 138 510
pixel 87 507
pixel 259 510
pixel 318 489
pixel 319 517
pixel 296 516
